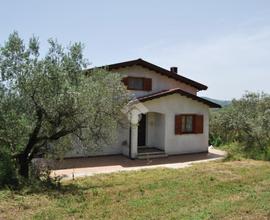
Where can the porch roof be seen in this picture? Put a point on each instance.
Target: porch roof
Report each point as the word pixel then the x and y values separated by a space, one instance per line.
pixel 178 91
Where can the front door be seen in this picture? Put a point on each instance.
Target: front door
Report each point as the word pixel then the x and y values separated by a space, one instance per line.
pixel 141 130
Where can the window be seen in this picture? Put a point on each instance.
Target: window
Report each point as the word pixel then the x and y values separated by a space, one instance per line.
pixel 135 83
pixel 138 83
pixel 188 124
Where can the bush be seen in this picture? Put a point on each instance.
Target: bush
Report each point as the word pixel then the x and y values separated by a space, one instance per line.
pixel 246 122
pixel 8 175
pixel 40 177
pixel 41 174
pixel 215 140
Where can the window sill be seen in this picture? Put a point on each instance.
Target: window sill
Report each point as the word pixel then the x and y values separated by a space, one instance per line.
pixel 139 90
pixel 188 133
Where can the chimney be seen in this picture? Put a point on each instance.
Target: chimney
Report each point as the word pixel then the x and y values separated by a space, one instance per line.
pixel 174 69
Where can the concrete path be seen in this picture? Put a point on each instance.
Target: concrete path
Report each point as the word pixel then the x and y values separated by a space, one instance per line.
pixel 81 167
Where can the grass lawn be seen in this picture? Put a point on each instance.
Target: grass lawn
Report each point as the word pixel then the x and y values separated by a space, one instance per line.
pixel 216 190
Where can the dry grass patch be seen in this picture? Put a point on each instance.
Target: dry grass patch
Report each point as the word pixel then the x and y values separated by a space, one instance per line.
pixel 216 190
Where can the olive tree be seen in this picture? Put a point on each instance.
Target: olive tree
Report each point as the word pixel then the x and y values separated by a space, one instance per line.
pixel 47 102
pixel 246 121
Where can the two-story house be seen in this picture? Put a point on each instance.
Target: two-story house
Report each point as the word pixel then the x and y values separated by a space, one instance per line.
pixel 165 118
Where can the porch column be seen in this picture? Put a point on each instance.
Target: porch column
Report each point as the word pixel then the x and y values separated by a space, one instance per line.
pixel 134 134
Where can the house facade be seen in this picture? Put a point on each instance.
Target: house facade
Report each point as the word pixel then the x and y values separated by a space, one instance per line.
pixel 165 117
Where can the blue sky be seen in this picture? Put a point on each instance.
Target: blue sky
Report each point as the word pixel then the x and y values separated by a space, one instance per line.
pixel 224 44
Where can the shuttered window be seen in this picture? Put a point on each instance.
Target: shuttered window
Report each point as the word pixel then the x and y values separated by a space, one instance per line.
pixel 125 81
pixel 137 83
pixel 178 124
pixel 198 125
pixel 188 124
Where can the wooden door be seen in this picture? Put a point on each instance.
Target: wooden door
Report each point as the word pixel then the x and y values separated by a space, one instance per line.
pixel 142 131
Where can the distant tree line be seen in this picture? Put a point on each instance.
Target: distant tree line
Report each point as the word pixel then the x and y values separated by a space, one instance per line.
pixel 244 123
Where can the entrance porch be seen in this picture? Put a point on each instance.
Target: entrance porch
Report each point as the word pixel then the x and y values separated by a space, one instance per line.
pixel 147 135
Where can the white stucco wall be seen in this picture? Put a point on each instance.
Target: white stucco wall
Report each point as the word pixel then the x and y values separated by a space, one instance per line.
pixel 160 118
pixel 177 104
pixel 120 145
pixel 159 82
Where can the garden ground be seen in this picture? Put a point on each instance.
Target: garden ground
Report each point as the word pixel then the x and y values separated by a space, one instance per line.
pixel 214 190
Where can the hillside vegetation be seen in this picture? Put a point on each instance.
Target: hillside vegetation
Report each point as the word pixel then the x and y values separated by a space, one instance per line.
pixel 223 103
pixel 243 127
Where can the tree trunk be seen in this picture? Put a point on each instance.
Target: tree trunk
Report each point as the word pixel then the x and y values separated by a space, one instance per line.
pixel 23 164
pixel 24 159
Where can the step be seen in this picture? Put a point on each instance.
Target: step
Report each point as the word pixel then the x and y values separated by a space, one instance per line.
pixel 151 156
pixel 151 153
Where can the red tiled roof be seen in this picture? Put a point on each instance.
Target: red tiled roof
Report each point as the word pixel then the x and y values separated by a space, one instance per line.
pixel 157 69
pixel 177 91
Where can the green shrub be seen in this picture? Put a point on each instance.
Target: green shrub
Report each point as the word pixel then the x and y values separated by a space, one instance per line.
pixel 215 140
pixel 238 151
pixel 246 122
pixel 8 176
pixel 267 154
pixel 39 178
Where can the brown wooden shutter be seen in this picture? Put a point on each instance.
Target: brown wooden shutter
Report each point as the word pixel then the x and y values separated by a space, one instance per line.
pixel 178 124
pixel 125 81
pixel 147 84
pixel 198 124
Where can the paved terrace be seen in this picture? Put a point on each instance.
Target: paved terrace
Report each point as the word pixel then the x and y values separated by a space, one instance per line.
pixel 81 167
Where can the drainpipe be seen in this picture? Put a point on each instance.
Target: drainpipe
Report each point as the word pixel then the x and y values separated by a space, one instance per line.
pixel 129 143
